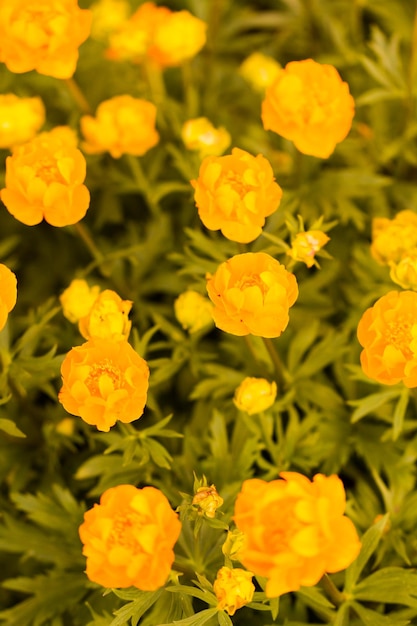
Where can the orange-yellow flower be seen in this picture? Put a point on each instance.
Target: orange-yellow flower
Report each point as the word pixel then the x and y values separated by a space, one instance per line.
pixel 42 35
pixel 388 334
pixel 8 293
pixel 108 16
pixel 295 530
pixel 306 244
pixel 20 119
pixel 193 311
pixel 252 294
pixel 309 104
pixel 200 135
pixel 122 125
pixel 235 193
pixel 259 70
pixel 104 381
pixel 77 299
pixel 233 588
pixel 393 239
pixel 129 537
pixel 255 395
pixel 44 180
pixel 107 318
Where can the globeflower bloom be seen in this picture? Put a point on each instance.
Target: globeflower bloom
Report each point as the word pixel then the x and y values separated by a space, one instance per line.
pixel 77 299
pixel 306 244
pixel 107 318
pixel 309 104
pixel 108 16
pixel 233 589
pixel 295 530
pixel 193 311
pixel 201 136
pixel 259 70
pixel 252 294
pixel 42 35
pixel 129 537
pixel 122 125
pixel 388 334
pixel 20 119
pixel 104 381
pixel 8 293
pixel 44 180
pixel 255 395
pixel 394 239
pixel 235 193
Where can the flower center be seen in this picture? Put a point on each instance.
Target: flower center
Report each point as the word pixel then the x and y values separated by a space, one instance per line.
pixel 103 372
pixel 398 333
pixel 47 170
pixel 252 281
pixel 126 524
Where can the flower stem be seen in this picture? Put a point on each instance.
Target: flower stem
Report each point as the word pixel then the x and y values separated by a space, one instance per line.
pixel 142 182
pixel 97 255
pixel 278 366
pixel 78 95
pixel 332 592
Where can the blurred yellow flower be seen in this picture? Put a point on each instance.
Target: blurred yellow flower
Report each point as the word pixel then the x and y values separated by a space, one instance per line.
pixel 8 293
pixel 200 135
pixel 122 125
pixel 233 589
pixel 306 244
pixel 404 273
pixel 208 500
pixel 44 180
pixel 193 311
pixel 259 70
pixel 20 119
pixel 255 395
pixel 233 546
pixel 108 16
pixel 393 239
pixel 42 35
pixel 107 318
pixel 77 299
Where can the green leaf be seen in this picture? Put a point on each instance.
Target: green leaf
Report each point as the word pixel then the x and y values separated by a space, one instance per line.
pixel 400 409
pixel 371 403
pixel 370 542
pixel 390 584
pixel 194 620
pixel 224 619
pixel 10 428
pixel 372 618
pixel 137 608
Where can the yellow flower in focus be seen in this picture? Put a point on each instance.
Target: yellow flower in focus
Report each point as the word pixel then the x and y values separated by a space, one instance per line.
pixel 233 588
pixel 306 244
pixel 393 239
pixel 44 180
pixel 309 104
pixel 104 381
pixel 233 546
pixel 208 500
pixel 129 537
pixel 295 530
pixel 122 125
pixel 259 70
pixel 200 135
pixel 252 294
pixel 193 311
pixel 20 119
pixel 107 318
pixel 42 35
pixel 77 299
pixel 8 293
pixel 255 395
pixel 404 273
pixel 235 193
pixel 108 16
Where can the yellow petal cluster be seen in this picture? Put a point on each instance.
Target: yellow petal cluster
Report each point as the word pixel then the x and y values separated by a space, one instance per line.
pixel 77 299
pixel 201 136
pixel 233 589
pixel 107 318
pixel 255 395
pixel 20 119
pixel 122 125
pixel 394 239
pixel 193 311
pixel 8 293
pixel 235 193
pixel 42 35
pixel 305 245
pixel 309 104
pixel 295 530
pixel 259 70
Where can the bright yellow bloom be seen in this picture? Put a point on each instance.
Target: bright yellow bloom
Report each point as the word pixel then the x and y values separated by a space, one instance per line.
pixel 44 180
pixel 259 70
pixel 193 311
pixel 393 239
pixel 108 16
pixel 388 334
pixel 8 293
pixel 306 244
pixel 233 588
pixel 122 125
pixel 77 299
pixel 255 395
pixel 309 104
pixel 129 537
pixel 20 119
pixel 252 294
pixel 404 273
pixel 235 193
pixel 295 530
pixel 107 318
pixel 208 500
pixel 42 35
pixel 104 381
pixel 200 135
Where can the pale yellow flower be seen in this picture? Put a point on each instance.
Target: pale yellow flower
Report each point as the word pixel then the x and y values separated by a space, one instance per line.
pixel 259 70
pixel 255 395
pixel 193 311
pixel 77 299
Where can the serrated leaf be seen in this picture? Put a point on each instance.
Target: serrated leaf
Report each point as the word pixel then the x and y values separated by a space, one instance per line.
pixel 371 403
pixel 372 618
pixel 137 608
pixel 391 584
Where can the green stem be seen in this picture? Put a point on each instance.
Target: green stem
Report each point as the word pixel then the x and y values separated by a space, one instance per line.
pixel 142 182
pixel 278 366
pixel 97 255
pixel 332 592
pixel 78 96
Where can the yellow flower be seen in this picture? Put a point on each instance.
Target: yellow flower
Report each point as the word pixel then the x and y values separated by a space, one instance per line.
pixel 200 135
pixel 77 299
pixel 255 395
pixel 42 35
pixel 233 589
pixel 309 104
pixel 208 500
pixel 108 16
pixel 20 119
pixel 122 125
pixel 393 239
pixel 44 180
pixel 107 318
pixel 235 193
pixel 306 244
pixel 193 311
pixel 404 273
pixel 8 293
pixel 259 70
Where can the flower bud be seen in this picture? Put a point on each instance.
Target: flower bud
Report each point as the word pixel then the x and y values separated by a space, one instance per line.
pixel 107 318
pixel 233 589
pixel 404 273
pixel 208 500
pixel 255 395
pixel 193 311
pixel 20 119
pixel 259 70
pixel 200 135
pixel 306 244
pixel 77 299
